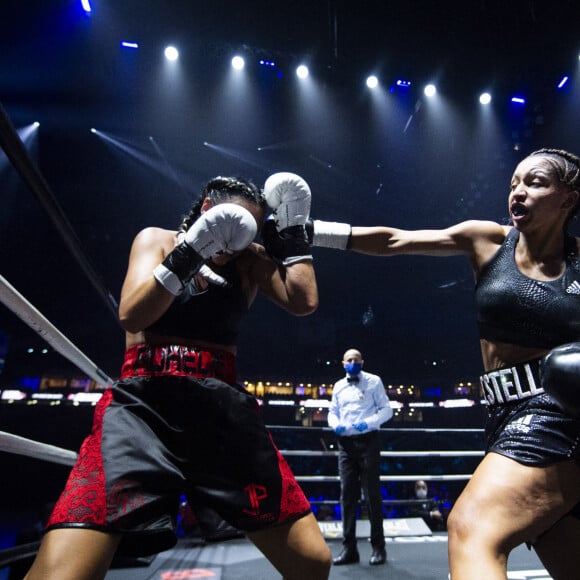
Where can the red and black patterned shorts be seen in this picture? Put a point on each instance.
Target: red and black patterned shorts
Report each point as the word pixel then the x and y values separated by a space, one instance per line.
pixel 157 437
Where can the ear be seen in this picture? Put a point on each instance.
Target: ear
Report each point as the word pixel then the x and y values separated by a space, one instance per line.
pixel 206 204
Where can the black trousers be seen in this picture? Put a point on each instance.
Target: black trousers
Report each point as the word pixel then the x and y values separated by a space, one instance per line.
pixel 359 467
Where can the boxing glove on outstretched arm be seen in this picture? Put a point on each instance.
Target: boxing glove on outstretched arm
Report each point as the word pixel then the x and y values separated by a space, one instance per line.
pixel 224 228
pixel 560 374
pixel 284 236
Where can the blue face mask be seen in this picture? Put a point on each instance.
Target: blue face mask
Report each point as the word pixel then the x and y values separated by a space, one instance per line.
pixel 353 368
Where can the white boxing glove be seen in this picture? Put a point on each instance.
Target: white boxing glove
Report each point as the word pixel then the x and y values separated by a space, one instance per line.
pixel 289 197
pixel 224 228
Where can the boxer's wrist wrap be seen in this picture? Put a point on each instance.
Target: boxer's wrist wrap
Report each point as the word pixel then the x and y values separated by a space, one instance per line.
pixel 178 268
pixel 287 247
pixel 331 235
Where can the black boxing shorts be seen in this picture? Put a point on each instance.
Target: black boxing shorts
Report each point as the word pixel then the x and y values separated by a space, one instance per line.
pixel 157 437
pixel 530 428
pixel 533 432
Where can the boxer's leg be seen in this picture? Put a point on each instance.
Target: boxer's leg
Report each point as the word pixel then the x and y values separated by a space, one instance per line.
pixel 296 549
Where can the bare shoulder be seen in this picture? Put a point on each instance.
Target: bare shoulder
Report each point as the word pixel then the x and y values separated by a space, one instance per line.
pixel 483 229
pixel 154 237
pixel 486 238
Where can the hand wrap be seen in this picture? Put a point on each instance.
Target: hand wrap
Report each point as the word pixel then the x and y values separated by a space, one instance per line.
pixel 178 268
pixel 328 234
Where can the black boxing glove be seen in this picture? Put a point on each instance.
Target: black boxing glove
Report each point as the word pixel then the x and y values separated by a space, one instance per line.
pixel 560 375
pixel 288 246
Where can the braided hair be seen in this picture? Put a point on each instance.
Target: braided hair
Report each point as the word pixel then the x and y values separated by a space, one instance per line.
pixel 221 189
pixel 566 166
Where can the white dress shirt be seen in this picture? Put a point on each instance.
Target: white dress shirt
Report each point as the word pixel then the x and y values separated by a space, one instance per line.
pixel 354 403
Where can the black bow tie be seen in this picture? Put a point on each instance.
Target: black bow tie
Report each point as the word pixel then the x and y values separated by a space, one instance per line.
pixel 352 379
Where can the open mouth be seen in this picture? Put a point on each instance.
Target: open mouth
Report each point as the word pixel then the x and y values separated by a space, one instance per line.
pixel 519 210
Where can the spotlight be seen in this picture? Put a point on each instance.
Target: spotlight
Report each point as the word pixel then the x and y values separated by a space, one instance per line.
pixel 86 6
pixel 267 63
pixel 519 100
pixel 238 62
pixel 562 82
pixel 302 72
pixel 171 53
pixel 402 83
pixel 485 98
pixel 430 91
pixel 126 44
pixel 372 82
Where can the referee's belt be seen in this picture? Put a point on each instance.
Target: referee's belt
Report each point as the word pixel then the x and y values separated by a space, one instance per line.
pixel 510 384
pixel 145 360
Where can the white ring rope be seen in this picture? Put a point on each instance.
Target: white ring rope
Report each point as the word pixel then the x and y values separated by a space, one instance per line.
pixel 22 446
pixel 331 478
pixel 33 318
pixel 288 452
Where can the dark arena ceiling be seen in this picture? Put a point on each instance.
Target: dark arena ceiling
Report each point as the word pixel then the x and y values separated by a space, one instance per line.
pixel 390 156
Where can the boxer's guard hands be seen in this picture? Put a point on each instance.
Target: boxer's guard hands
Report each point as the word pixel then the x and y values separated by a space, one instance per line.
pixel 284 235
pixel 224 228
pixel 289 197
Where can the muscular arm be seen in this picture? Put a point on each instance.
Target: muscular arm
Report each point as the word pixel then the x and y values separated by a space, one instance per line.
pixel 472 238
pixel 143 299
pixel 293 287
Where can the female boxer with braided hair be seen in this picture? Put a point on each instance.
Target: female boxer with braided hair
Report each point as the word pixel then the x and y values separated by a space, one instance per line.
pixel 176 421
pixel 527 487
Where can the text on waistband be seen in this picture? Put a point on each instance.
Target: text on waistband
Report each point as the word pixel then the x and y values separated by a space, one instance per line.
pixel 512 384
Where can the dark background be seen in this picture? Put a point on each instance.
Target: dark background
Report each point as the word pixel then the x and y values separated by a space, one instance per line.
pixel 407 161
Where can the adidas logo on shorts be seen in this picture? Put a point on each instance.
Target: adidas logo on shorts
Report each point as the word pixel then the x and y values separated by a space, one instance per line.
pixel 574 288
pixel 522 424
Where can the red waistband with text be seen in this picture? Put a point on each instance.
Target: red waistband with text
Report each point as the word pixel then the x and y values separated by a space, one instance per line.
pixel 144 360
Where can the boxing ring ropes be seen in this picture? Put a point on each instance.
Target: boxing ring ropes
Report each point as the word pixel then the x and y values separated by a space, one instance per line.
pixel 19 305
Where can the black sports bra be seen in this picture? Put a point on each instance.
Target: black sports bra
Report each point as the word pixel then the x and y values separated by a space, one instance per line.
pixel 516 309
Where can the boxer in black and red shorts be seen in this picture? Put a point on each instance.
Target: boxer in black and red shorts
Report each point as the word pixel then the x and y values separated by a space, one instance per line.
pixel 190 432
pixel 177 422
